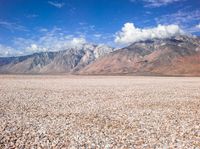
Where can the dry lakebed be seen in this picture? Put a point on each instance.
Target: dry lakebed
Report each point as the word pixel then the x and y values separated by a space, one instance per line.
pixel 62 111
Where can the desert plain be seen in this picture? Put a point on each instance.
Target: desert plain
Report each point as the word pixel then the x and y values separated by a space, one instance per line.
pixel 62 111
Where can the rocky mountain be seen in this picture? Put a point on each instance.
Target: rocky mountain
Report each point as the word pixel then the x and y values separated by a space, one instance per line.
pixel 178 55
pixel 67 61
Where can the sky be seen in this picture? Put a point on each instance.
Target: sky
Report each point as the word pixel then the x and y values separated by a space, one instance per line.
pixel 28 26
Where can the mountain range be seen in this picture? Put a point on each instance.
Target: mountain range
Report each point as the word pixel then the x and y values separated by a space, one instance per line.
pixel 67 61
pixel 178 55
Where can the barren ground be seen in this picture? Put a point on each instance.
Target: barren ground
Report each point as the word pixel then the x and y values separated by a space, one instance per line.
pixel 99 112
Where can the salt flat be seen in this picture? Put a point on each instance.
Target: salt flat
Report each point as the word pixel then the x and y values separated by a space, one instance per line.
pixel 99 112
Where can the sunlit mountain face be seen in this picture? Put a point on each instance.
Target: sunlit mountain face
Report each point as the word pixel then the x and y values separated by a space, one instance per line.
pixel 177 56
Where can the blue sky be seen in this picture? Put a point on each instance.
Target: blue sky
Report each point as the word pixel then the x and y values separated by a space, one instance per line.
pixel 48 25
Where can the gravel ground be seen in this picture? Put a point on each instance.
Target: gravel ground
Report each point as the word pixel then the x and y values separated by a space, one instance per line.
pixel 99 112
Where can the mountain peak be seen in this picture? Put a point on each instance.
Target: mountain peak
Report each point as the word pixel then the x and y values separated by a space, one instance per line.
pixel 68 60
pixel 170 56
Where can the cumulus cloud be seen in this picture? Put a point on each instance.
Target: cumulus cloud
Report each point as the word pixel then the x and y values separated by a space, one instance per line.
pixel 35 48
pixel 130 33
pixel 77 41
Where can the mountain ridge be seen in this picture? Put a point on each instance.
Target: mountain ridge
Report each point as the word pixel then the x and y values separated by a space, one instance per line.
pixel 155 57
pixel 178 55
pixel 54 62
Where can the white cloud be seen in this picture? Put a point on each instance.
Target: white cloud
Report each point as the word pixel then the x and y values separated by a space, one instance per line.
pixel 130 33
pixel 185 18
pixel 180 17
pixel 32 16
pixel 12 26
pixel 97 35
pixel 50 43
pixel 6 51
pixel 43 30
pixel 54 40
pixel 198 26
pixel 158 3
pixel 194 29
pixel 77 41
pixel 35 48
pixel 56 4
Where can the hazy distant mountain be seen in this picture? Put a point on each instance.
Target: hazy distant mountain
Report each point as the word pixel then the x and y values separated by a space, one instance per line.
pixel 67 61
pixel 178 55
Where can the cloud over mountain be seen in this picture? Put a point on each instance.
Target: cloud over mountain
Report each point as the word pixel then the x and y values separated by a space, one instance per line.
pixel 8 51
pixel 129 33
pixel 55 44
pixel 49 40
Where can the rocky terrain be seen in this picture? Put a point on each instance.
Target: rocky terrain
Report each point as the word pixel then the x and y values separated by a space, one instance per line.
pixel 99 112
pixel 179 55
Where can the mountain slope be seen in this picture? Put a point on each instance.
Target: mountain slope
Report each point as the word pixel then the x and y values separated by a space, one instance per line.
pixel 174 56
pixel 67 61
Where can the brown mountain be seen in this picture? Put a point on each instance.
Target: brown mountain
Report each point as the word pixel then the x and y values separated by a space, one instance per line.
pixel 178 55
